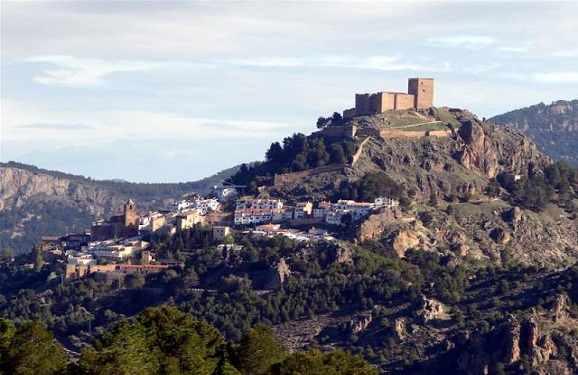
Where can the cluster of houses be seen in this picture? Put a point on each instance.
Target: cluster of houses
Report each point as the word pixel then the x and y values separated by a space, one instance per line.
pixel 112 242
pixel 120 238
pixel 262 211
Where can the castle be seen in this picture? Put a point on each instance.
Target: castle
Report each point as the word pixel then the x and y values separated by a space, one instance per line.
pixel 419 96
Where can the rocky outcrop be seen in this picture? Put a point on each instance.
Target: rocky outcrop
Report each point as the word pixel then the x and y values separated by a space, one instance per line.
pixel 277 275
pixel 344 254
pixel 404 241
pixel 537 340
pixel 359 323
pixel 476 153
pixel 428 309
pixel 375 225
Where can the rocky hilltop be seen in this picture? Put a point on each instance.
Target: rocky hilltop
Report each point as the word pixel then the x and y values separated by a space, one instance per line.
pixel 449 174
pixel 553 127
pixel 458 159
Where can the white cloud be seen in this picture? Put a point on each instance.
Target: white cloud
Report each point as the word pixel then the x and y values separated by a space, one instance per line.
pixel 172 154
pixel 556 77
pixel 74 71
pixel 463 41
pixel 545 77
pixel 513 49
pixel 384 63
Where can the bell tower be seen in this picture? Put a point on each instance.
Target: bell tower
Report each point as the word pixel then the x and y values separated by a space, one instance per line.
pixel 131 219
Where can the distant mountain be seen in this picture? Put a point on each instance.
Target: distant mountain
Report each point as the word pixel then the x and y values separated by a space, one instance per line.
pixel 553 127
pixel 35 202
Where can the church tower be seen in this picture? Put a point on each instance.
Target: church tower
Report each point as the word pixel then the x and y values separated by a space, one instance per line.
pixel 131 219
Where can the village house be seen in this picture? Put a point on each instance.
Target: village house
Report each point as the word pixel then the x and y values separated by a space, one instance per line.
pixel 187 219
pixel 220 232
pixel 303 210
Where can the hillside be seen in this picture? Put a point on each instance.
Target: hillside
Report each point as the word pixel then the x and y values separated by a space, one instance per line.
pixel 473 273
pixel 35 202
pixel 452 173
pixel 553 127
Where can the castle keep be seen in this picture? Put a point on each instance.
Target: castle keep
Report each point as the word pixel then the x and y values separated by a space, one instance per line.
pixel 419 96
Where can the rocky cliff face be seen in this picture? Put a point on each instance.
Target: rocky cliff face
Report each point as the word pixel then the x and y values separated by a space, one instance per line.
pixel 539 342
pixel 20 186
pixel 460 165
pixel 35 204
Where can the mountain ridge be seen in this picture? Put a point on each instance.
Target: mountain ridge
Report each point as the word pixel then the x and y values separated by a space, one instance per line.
pixel 554 127
pixel 35 202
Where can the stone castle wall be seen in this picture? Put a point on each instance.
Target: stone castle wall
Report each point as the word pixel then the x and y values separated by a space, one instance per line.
pixel 419 96
pixel 347 132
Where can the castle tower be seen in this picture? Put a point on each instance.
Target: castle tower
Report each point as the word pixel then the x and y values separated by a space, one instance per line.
pixel 422 89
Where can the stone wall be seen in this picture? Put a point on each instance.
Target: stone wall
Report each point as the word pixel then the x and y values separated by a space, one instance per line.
pixel 404 101
pixel 396 133
pixel 346 131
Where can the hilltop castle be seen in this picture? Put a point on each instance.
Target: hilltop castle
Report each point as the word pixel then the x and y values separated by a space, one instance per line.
pixel 419 96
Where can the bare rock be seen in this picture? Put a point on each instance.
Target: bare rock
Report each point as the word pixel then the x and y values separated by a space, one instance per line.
pixel 544 350
pixel 359 323
pixel 500 236
pixel 560 307
pixel 404 241
pixel 511 342
pixel 344 254
pixel 277 275
pixel 513 215
pixel 399 328
pixel 429 309
pixel 460 249
pixel 374 226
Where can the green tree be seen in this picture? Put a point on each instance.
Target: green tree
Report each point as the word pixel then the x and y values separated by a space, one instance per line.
pixel 32 351
pixel 38 261
pixel 134 280
pixel 123 351
pixel 181 342
pixel 7 254
pixel 315 362
pixel 258 350
pixel 493 188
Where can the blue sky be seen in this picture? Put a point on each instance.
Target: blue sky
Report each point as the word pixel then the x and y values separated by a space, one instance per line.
pixel 167 91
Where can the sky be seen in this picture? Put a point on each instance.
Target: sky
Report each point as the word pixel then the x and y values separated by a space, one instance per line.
pixel 174 91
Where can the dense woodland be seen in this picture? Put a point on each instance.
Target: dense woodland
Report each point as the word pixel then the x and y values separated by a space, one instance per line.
pixel 373 278
pixel 166 341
